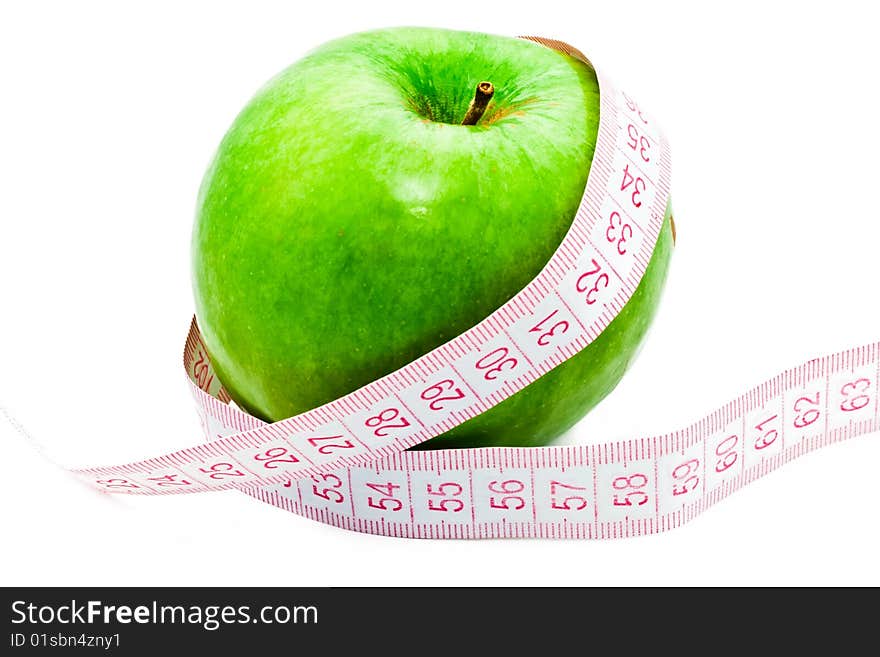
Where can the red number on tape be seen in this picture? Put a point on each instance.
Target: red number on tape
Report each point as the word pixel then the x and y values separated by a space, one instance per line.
pixel 222 470
pixel 639 186
pixel 448 491
pixel 855 395
pixel 506 488
pixel 329 493
pixel 201 368
pixel 631 483
pixel 612 234
pixel 170 480
pixel 685 473
pixel 569 503
pixel 804 414
pixel 275 455
pixel 117 483
pixel 385 421
pixel 440 392
pixel 544 336
pixel 768 437
pixel 728 454
pixel 638 142
pixel 330 447
pixel 388 502
pixel 634 108
pixel 601 282
pixel 494 363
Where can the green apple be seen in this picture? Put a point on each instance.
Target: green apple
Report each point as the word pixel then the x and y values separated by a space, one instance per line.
pixel 350 223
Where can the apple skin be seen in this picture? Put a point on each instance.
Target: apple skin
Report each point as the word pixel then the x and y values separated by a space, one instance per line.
pixel 348 225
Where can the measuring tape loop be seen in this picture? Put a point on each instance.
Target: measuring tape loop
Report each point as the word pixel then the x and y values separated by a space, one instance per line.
pixel 347 463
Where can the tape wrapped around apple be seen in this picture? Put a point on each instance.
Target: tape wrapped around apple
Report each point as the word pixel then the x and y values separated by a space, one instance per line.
pixel 386 193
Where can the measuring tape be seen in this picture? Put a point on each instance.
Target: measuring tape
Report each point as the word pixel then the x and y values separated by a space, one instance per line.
pixel 345 463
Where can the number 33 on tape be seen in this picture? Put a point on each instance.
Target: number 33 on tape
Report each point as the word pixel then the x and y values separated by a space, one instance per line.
pixel 346 463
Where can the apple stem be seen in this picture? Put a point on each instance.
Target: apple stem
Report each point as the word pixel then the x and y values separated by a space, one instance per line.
pixel 482 95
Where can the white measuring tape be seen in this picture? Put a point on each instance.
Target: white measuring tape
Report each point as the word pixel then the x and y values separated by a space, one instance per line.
pixel 345 463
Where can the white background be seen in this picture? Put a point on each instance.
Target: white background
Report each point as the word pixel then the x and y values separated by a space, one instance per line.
pixel 108 117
